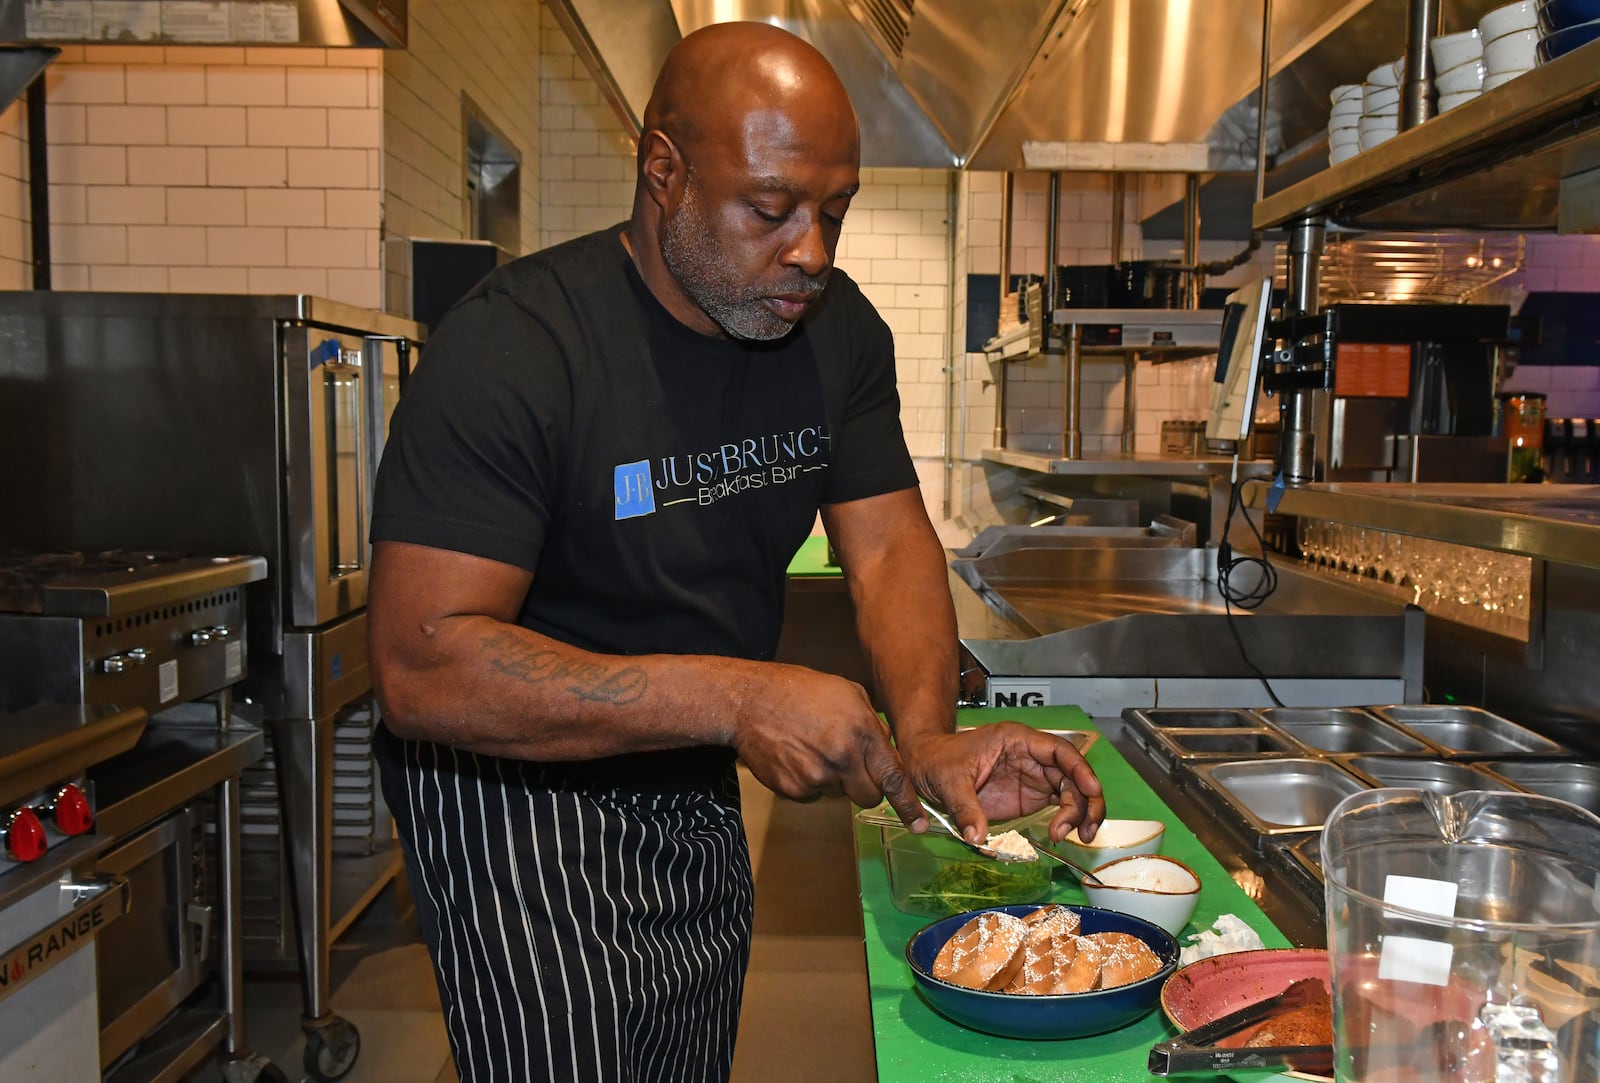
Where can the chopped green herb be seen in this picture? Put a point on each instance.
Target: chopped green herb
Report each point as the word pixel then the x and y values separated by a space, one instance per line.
pixel 973 885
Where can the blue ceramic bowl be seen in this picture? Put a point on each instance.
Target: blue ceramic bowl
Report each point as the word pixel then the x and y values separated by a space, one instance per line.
pixel 1021 1015
pixel 1559 14
pixel 1563 42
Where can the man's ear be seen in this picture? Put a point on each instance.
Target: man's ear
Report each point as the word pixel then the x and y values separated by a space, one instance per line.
pixel 662 168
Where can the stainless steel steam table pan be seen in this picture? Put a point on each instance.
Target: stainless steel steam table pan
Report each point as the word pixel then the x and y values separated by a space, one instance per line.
pixel 1467 731
pixel 1347 730
pixel 1193 718
pixel 1306 856
pixel 1440 776
pixel 1224 744
pixel 1575 782
pixel 1277 797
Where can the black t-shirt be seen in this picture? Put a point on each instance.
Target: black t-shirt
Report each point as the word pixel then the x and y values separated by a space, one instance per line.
pixel 654 480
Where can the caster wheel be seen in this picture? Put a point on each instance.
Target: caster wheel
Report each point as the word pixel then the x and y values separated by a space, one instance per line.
pixel 331 1050
pixel 253 1069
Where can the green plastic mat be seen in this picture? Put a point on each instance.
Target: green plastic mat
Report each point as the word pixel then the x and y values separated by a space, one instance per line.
pixel 812 559
pixel 915 1043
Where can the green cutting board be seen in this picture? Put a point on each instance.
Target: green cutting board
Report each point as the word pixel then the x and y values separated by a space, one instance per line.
pixel 917 1045
pixel 811 559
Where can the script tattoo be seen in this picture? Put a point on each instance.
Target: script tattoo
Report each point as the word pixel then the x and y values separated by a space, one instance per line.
pixel 516 658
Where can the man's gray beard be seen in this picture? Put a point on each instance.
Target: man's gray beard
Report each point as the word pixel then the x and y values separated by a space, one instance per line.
pixel 702 273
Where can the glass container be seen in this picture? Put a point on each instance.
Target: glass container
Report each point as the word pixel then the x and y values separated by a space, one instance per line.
pixel 1464 937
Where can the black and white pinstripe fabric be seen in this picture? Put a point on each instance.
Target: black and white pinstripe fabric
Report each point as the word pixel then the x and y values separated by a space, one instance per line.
pixel 576 933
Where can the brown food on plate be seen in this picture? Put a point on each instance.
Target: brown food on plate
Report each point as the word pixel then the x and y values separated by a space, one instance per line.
pixel 1309 1024
pixel 984 953
pixel 1083 976
pixel 1041 954
pixel 1047 960
pixel 1127 959
pixel 1052 919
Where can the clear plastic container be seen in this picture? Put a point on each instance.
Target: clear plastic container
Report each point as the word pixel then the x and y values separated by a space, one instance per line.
pixel 936 876
pixel 1464 937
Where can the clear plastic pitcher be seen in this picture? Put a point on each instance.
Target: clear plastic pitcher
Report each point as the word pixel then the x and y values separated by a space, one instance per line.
pixel 1464 938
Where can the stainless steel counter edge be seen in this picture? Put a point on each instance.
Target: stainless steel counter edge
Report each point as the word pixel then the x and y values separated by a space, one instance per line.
pixel 182 763
pixel 303 308
pixel 1482 516
pixel 1129 465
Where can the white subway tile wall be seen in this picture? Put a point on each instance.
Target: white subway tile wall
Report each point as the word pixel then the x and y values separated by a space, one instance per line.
pixel 486 51
pixel 586 159
pixel 896 245
pixel 204 170
pixel 14 267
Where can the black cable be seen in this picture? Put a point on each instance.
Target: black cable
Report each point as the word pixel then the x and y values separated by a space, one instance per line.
pixel 1228 564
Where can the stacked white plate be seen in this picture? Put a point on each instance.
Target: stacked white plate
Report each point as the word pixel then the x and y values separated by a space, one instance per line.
pixel 1344 133
pixel 1510 42
pixel 1380 104
pixel 1458 62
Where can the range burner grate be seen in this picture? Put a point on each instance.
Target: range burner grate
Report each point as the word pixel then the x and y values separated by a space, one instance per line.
pixel 26 576
pixel 113 582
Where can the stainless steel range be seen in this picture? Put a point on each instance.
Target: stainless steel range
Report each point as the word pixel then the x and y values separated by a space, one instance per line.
pixel 119 770
pixel 140 629
pixel 236 424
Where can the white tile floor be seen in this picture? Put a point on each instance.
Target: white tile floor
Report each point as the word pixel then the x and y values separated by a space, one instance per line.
pixel 807 970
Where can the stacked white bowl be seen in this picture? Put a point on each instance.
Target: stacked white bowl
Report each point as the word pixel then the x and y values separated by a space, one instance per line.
pixel 1458 66
pixel 1510 42
pixel 1380 104
pixel 1344 133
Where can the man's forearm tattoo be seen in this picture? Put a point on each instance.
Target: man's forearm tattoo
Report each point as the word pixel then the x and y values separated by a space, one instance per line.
pixel 515 657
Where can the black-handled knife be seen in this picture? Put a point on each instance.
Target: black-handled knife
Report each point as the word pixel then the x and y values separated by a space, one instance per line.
pixel 1197 1050
pixel 1170 1058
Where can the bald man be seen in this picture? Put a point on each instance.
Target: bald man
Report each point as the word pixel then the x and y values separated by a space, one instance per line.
pixel 591 493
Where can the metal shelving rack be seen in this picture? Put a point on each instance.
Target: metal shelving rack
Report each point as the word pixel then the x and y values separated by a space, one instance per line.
pixel 1524 157
pixel 1192 333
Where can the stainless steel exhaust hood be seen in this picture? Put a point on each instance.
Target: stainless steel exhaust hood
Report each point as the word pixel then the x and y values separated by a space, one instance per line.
pixel 329 23
pixel 941 83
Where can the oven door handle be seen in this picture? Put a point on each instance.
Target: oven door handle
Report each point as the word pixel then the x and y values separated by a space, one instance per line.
pixel 94 902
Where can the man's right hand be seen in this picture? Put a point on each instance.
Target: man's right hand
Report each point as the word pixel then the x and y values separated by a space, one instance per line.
pixel 806 735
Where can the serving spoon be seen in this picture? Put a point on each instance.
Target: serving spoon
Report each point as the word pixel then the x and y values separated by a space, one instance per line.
pixel 989 852
pixel 1081 874
pixel 1084 876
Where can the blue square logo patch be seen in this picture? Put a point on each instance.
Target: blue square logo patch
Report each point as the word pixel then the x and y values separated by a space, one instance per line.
pixel 635 491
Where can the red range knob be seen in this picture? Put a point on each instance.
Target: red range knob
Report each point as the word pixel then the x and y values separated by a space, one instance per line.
pixel 73 815
pixel 25 837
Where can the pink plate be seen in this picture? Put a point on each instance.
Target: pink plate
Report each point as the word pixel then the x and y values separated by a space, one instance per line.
pixel 1211 988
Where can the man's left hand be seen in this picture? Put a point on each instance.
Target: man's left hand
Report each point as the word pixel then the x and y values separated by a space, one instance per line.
pixel 1003 770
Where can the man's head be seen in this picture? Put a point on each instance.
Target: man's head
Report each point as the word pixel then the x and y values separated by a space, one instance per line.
pixel 748 160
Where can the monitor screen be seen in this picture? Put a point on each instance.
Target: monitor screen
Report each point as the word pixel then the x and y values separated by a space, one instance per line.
pixel 1238 373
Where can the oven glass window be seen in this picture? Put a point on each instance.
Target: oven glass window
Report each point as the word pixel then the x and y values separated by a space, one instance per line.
pixel 346 469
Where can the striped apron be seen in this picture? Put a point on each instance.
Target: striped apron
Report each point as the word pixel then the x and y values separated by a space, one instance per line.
pixel 576 933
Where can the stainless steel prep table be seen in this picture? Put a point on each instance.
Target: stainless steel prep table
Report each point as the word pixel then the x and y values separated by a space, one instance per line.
pixel 1108 628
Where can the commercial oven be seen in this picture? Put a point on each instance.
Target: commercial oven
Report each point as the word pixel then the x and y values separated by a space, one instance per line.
pixel 235 424
pixel 156 956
